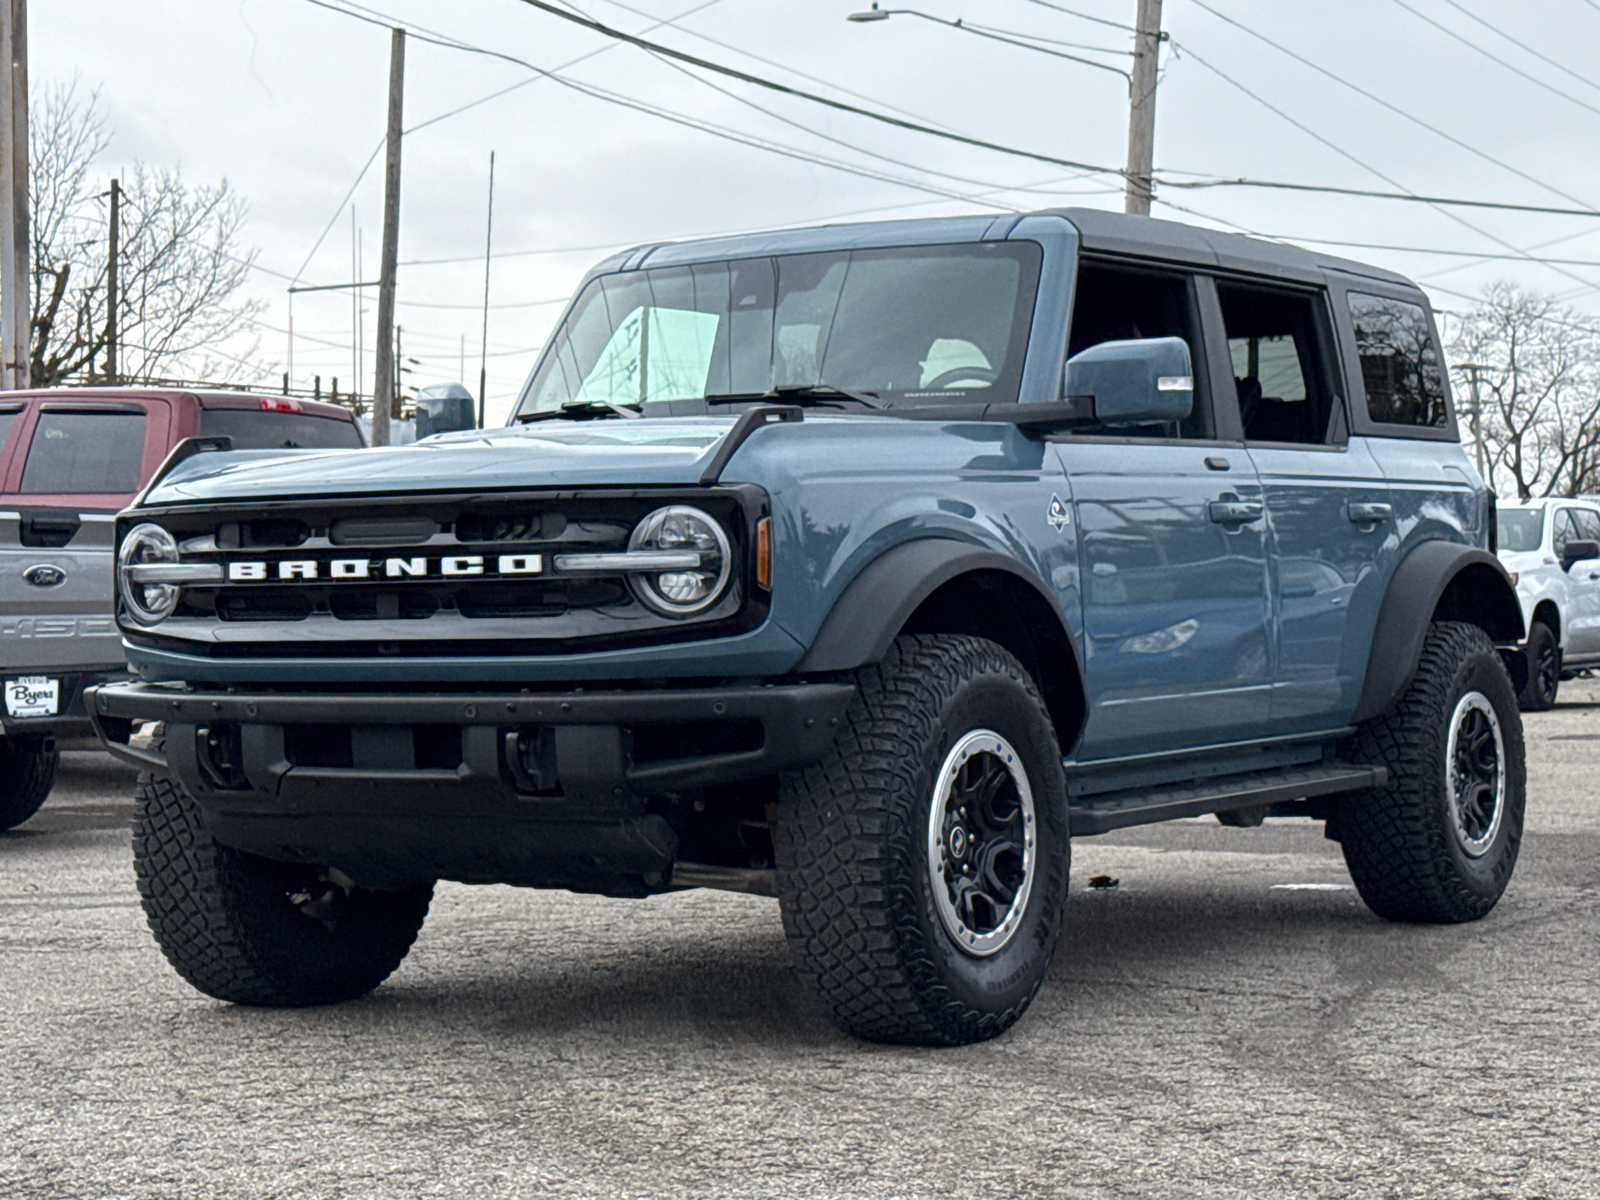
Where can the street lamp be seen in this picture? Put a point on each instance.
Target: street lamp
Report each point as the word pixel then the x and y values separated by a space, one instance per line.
pixel 995 35
pixel 1141 82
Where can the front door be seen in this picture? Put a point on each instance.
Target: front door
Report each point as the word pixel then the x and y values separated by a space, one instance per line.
pixel 1172 556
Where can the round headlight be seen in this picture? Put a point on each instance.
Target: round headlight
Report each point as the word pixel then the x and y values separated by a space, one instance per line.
pixel 682 591
pixel 147 603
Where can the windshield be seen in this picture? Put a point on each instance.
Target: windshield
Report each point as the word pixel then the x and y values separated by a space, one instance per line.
pixel 1520 528
pixel 909 325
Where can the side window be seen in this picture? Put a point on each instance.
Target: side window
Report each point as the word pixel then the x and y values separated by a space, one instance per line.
pixel 1117 304
pixel 1588 523
pixel 1400 364
pixel 1564 531
pixel 86 450
pixel 1279 366
pixel 8 416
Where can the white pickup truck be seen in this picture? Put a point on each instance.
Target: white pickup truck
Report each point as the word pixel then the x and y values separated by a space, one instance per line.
pixel 1552 549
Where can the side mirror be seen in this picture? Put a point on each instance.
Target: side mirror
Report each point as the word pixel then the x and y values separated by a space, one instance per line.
pixel 445 408
pixel 1147 381
pixel 1577 550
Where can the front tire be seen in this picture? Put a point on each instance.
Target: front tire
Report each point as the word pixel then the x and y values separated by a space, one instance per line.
pixel 254 931
pixel 922 865
pixel 27 773
pixel 1544 670
pixel 1438 843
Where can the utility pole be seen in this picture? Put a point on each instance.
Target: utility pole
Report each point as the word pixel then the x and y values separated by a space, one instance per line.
pixel 488 247
pixel 383 389
pixel 16 326
pixel 1142 107
pixel 1472 370
pixel 112 255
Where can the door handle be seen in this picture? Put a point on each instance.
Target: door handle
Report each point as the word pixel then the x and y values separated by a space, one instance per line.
pixel 1363 514
pixel 1231 512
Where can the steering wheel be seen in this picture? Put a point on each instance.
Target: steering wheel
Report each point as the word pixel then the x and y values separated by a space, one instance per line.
pixel 950 378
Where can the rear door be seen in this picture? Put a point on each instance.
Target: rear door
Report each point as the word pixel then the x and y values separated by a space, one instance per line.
pixel 1328 505
pixel 73 464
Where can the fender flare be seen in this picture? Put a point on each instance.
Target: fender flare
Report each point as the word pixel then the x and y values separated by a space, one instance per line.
pixel 877 603
pixel 1409 604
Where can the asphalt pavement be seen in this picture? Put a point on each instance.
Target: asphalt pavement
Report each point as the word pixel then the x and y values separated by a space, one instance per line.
pixel 1228 1021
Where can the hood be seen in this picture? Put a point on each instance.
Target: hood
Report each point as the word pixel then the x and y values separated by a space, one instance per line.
pixel 1524 560
pixel 643 452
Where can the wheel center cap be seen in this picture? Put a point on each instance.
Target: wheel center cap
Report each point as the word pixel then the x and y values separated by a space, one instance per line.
pixel 958 842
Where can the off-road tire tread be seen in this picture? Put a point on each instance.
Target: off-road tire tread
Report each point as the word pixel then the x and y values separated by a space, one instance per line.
pixel 841 893
pixel 27 773
pixel 207 907
pixel 1394 842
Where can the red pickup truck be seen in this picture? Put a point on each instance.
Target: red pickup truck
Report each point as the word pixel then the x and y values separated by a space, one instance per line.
pixel 69 460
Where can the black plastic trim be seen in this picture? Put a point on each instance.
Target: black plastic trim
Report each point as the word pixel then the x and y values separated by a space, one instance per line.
pixel 1408 606
pixel 798 721
pixel 878 602
pixel 187 448
pixel 749 421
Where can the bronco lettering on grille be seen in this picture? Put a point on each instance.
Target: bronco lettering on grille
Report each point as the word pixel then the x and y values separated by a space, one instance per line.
pixel 421 566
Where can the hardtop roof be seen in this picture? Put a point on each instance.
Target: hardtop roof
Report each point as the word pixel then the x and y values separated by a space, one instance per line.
pixel 1100 231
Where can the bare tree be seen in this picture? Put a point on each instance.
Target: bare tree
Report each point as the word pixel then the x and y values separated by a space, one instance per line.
pixel 1538 369
pixel 180 262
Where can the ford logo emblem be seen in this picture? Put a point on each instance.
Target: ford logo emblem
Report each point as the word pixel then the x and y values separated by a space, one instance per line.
pixel 44 575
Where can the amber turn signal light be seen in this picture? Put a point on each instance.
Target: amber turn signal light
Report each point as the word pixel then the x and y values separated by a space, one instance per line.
pixel 764 553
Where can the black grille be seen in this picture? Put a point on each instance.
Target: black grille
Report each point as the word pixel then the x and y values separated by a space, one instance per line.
pixel 389 611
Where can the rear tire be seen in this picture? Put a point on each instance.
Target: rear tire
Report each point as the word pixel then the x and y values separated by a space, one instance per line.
pixel 922 865
pixel 255 931
pixel 27 773
pixel 1438 843
pixel 1544 670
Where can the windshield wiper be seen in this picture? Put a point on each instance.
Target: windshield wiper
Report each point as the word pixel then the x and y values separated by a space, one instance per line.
pixel 799 393
pixel 579 410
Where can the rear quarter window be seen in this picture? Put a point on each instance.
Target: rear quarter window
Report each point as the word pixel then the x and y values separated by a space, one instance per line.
pixel 1401 367
pixel 261 429
pixel 85 451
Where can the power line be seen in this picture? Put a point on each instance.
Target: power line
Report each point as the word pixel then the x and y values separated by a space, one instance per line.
pixel 1406 193
pixel 1495 58
pixel 784 89
pixel 1545 58
pixel 1330 189
pixel 596 92
pixel 1083 16
pixel 373 17
pixel 750 54
pixel 738 99
pixel 1394 108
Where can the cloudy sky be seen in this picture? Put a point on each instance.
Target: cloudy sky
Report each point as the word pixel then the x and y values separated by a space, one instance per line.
pixel 613 146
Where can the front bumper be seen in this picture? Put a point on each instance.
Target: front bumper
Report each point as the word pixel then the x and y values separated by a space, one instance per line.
pixel 507 786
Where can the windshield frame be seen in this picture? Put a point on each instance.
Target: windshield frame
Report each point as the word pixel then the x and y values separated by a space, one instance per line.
pixel 1005 389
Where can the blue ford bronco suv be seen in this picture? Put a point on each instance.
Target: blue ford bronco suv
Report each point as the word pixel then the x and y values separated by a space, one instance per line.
pixel 862 566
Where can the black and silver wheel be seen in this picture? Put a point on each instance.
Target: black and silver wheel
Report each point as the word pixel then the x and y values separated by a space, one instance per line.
pixel 981 843
pixel 255 931
pixel 1438 843
pixel 922 865
pixel 27 773
pixel 1544 669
